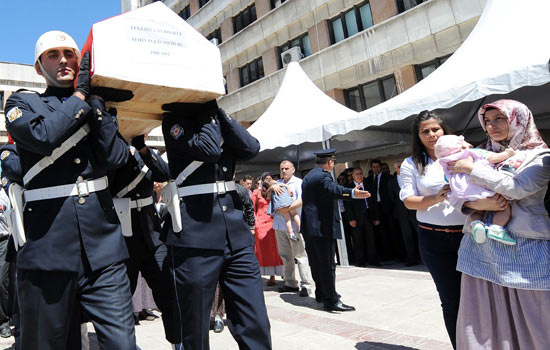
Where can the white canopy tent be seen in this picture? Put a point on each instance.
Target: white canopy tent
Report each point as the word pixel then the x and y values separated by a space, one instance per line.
pixel 506 55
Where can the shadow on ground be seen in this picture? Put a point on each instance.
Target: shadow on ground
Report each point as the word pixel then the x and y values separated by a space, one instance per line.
pixel 371 345
pixel 296 300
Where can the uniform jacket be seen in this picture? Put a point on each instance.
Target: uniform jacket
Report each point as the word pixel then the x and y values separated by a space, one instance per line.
pixel 355 208
pixel 145 222
pixel 197 135
pixel 320 215
pixel 524 180
pixel 55 227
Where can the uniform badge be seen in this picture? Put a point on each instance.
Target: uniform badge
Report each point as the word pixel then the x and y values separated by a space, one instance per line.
pixel 4 181
pixel 4 155
pixel 13 114
pixel 132 150
pixel 176 131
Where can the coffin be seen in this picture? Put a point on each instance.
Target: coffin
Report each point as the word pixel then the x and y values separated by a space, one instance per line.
pixel 154 53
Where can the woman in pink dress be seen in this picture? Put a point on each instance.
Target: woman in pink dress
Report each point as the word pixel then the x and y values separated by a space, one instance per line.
pixel 265 245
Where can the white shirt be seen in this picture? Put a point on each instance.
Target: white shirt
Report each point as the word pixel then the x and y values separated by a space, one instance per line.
pixel 295 186
pixel 363 188
pixel 414 184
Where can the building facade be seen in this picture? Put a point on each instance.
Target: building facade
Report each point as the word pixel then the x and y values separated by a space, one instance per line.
pixel 359 52
pixel 14 76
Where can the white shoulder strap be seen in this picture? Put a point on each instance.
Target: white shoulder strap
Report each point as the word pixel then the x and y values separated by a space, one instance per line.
pixel 134 182
pixel 56 153
pixel 190 169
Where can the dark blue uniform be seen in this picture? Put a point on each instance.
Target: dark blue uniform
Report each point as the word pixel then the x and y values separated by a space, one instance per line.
pixel 215 243
pixel 146 249
pixel 74 248
pixel 320 228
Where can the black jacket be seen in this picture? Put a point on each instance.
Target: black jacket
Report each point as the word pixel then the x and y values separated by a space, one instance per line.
pixel 355 208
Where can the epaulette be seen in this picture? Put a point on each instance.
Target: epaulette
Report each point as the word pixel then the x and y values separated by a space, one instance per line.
pixel 27 91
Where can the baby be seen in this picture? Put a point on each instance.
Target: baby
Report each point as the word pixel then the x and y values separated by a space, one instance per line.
pixel 450 148
pixel 280 203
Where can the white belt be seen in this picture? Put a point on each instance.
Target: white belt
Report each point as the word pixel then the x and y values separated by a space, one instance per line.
pixel 219 187
pixel 140 203
pixel 81 188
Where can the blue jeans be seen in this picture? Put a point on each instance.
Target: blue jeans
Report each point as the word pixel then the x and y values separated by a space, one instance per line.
pixel 439 251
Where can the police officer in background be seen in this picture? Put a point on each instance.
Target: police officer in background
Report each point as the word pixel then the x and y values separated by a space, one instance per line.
pixel 320 226
pixel 73 256
pixel 134 182
pixel 213 242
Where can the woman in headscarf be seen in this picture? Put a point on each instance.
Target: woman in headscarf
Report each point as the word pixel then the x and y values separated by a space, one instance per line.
pixel 505 290
pixel 265 245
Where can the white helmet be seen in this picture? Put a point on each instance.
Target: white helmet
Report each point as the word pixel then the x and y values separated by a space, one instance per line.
pixel 54 39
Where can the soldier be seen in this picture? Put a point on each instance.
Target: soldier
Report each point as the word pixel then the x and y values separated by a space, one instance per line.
pixel 73 256
pixel 133 182
pixel 208 240
pixel 320 227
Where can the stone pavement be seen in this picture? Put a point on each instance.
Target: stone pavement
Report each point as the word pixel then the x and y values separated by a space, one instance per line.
pixel 397 309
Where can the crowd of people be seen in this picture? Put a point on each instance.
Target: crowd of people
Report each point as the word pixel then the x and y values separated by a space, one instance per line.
pixel 94 219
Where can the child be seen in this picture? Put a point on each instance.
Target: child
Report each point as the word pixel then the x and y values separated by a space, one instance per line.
pixel 450 148
pixel 280 204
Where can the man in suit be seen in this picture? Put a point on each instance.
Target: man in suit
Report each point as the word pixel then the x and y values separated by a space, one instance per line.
pixel 212 243
pixel 389 240
pixel 73 256
pixel 320 226
pixel 361 220
pixel 406 218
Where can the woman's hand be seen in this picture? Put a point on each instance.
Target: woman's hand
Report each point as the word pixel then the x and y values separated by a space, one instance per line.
pixel 464 166
pixel 442 194
pixel 494 203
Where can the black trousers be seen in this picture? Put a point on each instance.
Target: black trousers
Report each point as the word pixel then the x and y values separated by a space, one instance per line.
pixel 51 303
pixel 439 251
pixel 154 268
pixel 196 272
pixel 364 241
pixel 5 311
pixel 409 233
pixel 320 253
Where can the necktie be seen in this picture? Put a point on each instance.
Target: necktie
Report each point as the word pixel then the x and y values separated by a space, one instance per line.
pixel 365 200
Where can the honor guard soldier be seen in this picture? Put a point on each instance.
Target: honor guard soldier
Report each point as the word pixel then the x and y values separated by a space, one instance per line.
pixel 209 241
pixel 73 256
pixel 320 226
pixel 132 189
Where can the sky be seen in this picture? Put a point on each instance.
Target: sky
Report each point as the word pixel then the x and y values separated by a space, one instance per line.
pixel 23 21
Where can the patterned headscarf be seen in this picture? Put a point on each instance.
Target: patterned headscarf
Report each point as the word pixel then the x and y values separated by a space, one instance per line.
pixel 523 132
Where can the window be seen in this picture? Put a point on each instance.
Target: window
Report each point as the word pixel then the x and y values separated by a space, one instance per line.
pixel 370 94
pixel 1 101
pixel 244 18
pixel 302 41
pixel 404 5
pixel 276 3
pixel 350 22
pixel 425 69
pixel 185 13
pixel 216 34
pixel 202 3
pixel 251 72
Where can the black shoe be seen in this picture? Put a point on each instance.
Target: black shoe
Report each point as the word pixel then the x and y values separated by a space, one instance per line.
pixel 5 332
pixel 303 292
pixel 411 263
pixel 218 325
pixel 338 306
pixel 286 289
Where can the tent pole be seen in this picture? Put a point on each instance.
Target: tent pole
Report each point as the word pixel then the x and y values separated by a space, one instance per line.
pixel 341 243
pixel 298 158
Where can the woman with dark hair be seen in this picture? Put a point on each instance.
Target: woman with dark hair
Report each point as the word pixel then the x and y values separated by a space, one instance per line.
pixel 424 189
pixel 505 289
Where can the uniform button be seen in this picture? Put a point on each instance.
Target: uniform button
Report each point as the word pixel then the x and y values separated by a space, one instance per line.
pixel 77 160
pixel 81 200
pixel 224 169
pixel 99 118
pixel 29 209
pixel 80 178
pixel 224 208
pixel 137 194
pixel 98 111
pixel 135 168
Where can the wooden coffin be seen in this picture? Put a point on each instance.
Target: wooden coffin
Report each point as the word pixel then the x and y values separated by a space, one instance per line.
pixel 154 53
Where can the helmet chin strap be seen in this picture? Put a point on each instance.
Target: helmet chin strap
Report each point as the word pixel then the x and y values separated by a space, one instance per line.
pixel 52 81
